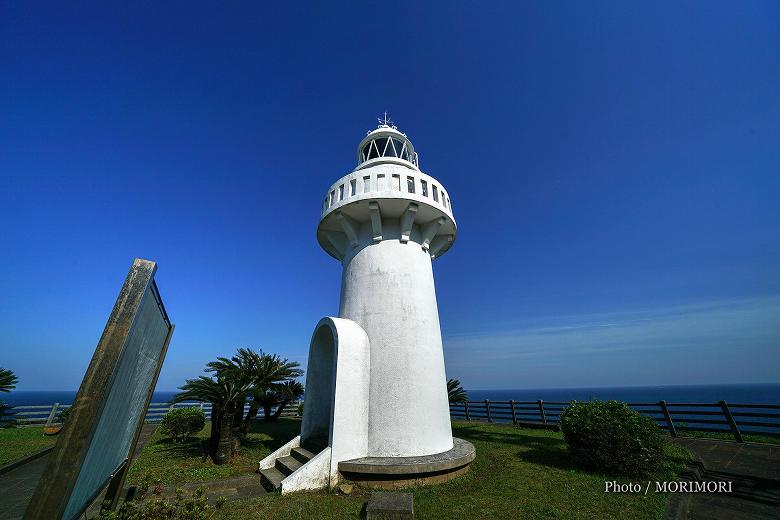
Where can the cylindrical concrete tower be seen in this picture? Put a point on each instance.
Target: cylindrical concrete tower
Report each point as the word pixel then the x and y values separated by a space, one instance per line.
pixel 386 221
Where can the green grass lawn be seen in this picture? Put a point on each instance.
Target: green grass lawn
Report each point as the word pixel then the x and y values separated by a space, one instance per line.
pixel 15 443
pixel 187 462
pixel 518 473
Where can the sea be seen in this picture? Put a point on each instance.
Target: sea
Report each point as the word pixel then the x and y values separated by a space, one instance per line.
pixel 741 394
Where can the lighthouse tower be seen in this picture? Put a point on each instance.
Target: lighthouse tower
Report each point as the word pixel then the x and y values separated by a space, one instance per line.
pixel 376 407
pixel 385 222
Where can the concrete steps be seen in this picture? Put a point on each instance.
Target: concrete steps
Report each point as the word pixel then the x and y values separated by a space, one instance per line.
pixel 302 454
pixel 271 478
pixel 288 464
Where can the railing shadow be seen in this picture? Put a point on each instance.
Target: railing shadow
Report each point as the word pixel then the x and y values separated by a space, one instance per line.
pixel 536 449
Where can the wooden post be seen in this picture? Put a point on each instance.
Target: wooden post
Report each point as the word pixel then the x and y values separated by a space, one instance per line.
pixel 466 407
pixel 487 409
pixel 731 421
pixel 514 415
pixel 52 414
pixel 541 411
pixel 668 417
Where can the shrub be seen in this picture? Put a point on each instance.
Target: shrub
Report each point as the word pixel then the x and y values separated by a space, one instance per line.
pixel 612 438
pixel 6 416
pixel 182 507
pixel 64 414
pixel 180 423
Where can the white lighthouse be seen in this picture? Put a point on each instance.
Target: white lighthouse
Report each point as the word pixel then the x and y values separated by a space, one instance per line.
pixel 376 407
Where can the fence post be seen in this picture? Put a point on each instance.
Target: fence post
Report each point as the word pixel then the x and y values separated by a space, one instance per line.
pixel 731 421
pixel 514 415
pixel 541 412
pixel 466 408
pixel 52 414
pixel 487 409
pixel 668 417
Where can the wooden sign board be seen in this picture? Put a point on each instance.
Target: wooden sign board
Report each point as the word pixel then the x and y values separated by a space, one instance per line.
pixel 93 449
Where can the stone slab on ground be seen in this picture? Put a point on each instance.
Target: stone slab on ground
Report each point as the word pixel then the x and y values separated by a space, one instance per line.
pixel 17 486
pixel 738 458
pixel 383 505
pixel 752 468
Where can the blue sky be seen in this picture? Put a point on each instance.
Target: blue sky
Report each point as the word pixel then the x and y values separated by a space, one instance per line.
pixel 613 169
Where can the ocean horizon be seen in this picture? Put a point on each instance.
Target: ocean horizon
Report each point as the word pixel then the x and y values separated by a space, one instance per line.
pixel 764 393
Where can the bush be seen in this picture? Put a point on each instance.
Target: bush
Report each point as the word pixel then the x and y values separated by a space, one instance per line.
pixel 180 423
pixel 182 507
pixel 6 416
pixel 612 438
pixel 64 414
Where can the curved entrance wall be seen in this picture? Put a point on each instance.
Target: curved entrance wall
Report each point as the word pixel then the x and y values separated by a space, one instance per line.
pixel 337 391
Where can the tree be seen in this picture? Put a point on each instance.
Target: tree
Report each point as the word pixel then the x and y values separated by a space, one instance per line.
pixel 291 391
pixel 223 392
pixel 8 382
pixel 279 396
pixel 264 372
pixel 235 379
pixel 455 392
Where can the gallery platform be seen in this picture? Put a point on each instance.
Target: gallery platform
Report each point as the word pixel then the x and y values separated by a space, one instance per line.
pixel 402 472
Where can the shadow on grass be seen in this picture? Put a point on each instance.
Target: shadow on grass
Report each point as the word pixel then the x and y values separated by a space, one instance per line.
pixel 279 431
pixel 193 447
pixel 274 435
pixel 552 451
pixel 536 448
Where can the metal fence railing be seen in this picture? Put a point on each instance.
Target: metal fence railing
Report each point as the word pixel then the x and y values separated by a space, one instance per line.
pixel 735 420
pixel 729 419
pixel 49 413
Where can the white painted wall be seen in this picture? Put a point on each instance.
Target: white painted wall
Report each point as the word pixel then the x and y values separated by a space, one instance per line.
pixel 388 289
pixel 337 391
pixel 376 188
pixel 312 475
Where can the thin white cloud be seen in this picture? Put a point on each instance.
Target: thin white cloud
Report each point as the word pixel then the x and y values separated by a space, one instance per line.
pixel 635 341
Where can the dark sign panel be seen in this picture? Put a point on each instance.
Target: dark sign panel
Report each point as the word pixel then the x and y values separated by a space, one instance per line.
pixel 93 449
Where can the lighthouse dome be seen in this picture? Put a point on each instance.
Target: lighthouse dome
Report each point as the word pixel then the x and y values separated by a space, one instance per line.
pixel 386 144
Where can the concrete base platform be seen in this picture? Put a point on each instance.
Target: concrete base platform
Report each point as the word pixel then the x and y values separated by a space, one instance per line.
pixel 403 472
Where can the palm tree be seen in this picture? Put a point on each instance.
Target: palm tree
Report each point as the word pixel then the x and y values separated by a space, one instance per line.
pixel 264 372
pixel 279 396
pixel 455 392
pixel 223 392
pixel 8 380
